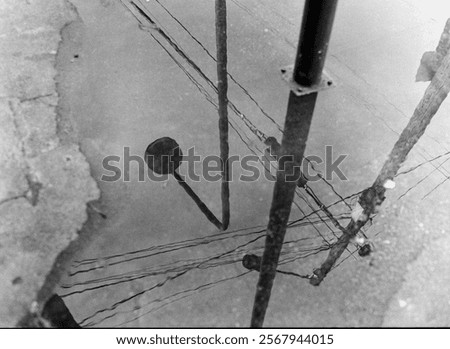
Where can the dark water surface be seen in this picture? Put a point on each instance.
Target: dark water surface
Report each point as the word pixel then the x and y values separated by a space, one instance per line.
pixel 134 91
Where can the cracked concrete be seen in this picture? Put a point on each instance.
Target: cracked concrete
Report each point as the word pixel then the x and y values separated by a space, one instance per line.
pixel 45 180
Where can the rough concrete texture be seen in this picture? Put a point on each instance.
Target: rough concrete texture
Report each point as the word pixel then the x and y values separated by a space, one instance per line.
pixel 44 183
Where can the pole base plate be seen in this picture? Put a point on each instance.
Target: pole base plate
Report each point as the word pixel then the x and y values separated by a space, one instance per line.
pixel 287 74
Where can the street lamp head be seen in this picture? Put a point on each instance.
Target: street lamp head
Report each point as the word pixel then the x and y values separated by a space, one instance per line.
pixel 163 156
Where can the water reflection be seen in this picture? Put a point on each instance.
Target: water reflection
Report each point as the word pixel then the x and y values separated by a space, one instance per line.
pixel 149 248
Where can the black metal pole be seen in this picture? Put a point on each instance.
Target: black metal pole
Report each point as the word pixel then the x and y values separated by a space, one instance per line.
pixel 317 22
pixel 222 88
pixel 314 37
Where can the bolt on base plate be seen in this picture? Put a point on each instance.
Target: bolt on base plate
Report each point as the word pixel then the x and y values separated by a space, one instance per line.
pixel 300 90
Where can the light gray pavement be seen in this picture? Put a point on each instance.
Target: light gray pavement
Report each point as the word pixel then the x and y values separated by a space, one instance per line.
pixel 44 182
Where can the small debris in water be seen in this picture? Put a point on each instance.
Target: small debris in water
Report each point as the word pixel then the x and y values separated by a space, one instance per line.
pixel 389 184
pixel 357 212
pixel 360 240
pixel 365 250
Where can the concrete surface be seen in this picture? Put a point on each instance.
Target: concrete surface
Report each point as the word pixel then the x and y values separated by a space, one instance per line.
pixel 44 183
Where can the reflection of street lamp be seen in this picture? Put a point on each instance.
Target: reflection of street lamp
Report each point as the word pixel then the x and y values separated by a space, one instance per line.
pixel 166 146
pixel 164 156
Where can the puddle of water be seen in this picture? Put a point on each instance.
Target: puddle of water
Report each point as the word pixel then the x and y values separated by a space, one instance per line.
pixel 140 88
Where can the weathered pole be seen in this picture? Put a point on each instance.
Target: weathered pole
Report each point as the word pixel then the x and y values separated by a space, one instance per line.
pixel 373 196
pixel 222 89
pixel 315 33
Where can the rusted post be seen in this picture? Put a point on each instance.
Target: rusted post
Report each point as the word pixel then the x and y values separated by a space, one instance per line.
pixel 372 197
pixel 315 32
pixel 222 87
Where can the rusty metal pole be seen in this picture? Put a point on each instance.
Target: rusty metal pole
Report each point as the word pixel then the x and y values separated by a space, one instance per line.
pixel 222 89
pixel 315 33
